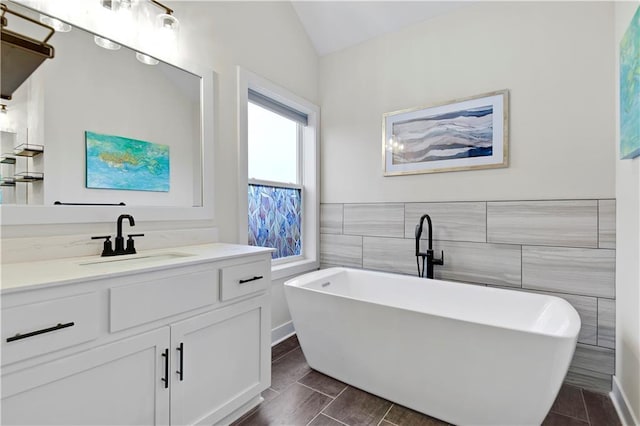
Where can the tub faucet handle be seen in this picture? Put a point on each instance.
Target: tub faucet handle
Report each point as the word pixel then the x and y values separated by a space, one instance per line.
pixel 439 261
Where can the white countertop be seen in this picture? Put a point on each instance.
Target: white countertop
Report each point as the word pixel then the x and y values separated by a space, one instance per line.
pixel 19 276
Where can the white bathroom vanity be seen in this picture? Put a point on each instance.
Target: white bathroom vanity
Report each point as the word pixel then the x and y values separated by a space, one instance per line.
pixel 177 336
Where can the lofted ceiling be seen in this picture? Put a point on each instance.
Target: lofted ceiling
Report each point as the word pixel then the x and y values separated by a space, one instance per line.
pixel 336 25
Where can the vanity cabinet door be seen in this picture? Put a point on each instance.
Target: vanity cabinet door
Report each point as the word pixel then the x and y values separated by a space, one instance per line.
pixel 116 384
pixel 220 361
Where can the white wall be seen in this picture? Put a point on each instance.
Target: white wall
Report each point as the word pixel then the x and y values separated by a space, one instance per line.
pixel 627 249
pixel 555 59
pixel 263 37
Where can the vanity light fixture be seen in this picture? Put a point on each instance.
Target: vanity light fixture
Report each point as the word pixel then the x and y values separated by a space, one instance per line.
pixel 146 59
pixel 106 43
pixel 56 24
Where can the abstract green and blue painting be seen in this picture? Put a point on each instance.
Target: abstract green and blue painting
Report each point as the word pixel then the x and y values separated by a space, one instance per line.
pixel 116 162
pixel 630 90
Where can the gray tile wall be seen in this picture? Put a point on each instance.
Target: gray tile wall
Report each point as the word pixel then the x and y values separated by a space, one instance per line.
pixel 564 248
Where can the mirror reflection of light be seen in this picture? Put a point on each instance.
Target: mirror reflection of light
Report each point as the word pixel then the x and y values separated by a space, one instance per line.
pixel 106 43
pixel 56 24
pixel 146 59
pixel 6 124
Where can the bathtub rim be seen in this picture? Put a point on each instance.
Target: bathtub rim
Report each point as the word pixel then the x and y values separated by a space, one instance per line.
pixel 571 332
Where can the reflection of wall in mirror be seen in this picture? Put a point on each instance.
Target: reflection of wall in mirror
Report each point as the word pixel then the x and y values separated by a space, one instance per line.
pixel 90 88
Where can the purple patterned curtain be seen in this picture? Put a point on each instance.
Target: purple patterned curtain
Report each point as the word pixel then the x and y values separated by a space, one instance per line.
pixel 275 219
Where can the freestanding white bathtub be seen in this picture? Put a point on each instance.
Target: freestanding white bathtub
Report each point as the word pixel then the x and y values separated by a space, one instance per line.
pixel 466 354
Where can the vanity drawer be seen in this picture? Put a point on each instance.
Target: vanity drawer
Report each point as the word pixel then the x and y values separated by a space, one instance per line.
pixel 240 280
pixel 162 297
pixel 38 328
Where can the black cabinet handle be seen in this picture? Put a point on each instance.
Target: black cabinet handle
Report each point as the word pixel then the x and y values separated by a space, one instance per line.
pixel 165 379
pixel 181 350
pixel 251 279
pixel 60 326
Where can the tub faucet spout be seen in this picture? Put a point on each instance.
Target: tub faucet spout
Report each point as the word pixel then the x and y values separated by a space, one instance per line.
pixel 428 259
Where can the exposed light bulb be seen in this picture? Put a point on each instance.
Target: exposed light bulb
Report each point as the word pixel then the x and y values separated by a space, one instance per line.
pixel 146 59
pixel 165 36
pixel 168 22
pixel 106 43
pixel 56 24
pixel 112 5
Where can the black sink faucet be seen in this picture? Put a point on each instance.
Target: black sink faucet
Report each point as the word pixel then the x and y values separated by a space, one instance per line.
pixel 120 249
pixel 119 238
pixel 427 258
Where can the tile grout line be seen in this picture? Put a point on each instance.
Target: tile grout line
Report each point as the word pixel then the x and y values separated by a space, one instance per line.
pixel 598 322
pixel 385 415
pixel 342 423
pixel 598 223
pixel 499 243
pixel 315 390
pixel 314 417
pixel 334 400
pixel 283 355
pixel 486 222
pixel 584 404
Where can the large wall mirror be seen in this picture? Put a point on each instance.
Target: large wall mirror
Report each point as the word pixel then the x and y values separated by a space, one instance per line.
pixel 112 129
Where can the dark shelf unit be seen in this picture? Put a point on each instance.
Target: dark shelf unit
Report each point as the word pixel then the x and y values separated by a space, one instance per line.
pixel 7 159
pixel 28 177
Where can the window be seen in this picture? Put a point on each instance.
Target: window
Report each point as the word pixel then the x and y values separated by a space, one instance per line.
pixel 274 190
pixel 278 162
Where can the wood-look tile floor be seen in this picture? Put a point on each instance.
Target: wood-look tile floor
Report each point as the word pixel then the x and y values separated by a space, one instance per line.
pixel 301 396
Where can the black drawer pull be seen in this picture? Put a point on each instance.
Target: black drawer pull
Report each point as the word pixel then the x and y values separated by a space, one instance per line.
pixel 60 326
pixel 250 279
pixel 165 379
pixel 181 350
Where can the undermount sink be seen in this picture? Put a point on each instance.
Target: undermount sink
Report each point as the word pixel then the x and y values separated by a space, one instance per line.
pixel 136 259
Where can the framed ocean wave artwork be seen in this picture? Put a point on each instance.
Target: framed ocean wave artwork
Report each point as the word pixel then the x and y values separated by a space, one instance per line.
pixel 465 134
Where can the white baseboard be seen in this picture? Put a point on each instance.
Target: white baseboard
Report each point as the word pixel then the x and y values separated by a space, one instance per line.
pixel 282 332
pixel 621 404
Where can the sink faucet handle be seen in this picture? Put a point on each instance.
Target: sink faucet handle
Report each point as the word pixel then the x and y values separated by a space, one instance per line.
pixel 107 249
pixel 131 249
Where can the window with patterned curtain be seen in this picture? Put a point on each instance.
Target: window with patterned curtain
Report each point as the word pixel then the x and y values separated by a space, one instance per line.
pixel 274 189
